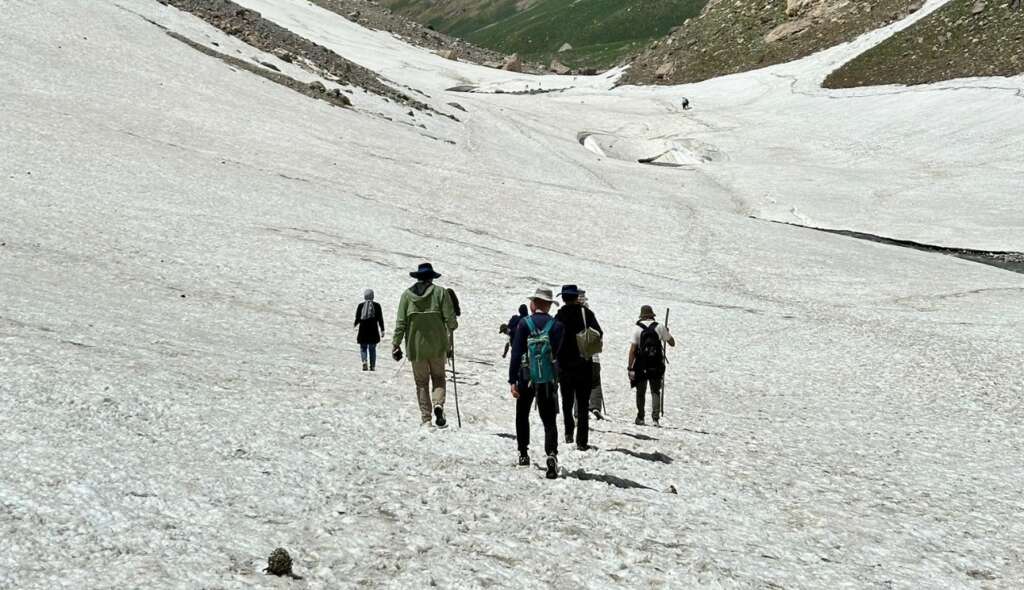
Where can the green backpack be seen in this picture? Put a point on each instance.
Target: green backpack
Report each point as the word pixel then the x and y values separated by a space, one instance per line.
pixel 539 355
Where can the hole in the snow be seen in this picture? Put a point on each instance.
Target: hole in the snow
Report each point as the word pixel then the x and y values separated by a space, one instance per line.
pixel 656 456
pixel 611 480
pixel 659 151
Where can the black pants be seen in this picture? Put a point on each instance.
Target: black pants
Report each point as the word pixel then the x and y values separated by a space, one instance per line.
pixel 641 395
pixel 576 385
pixel 547 407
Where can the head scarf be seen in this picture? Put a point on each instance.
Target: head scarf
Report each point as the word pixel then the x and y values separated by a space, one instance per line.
pixel 368 307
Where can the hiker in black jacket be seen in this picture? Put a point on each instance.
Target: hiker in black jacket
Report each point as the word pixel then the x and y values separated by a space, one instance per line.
pixel 370 321
pixel 575 372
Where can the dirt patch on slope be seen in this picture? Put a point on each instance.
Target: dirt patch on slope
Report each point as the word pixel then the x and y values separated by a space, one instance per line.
pixel 963 39
pixel 250 26
pixel 731 37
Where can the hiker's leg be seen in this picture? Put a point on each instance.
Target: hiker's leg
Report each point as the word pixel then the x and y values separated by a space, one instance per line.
pixel 547 406
pixel 362 353
pixel 439 379
pixel 372 350
pixel 523 406
pixel 641 395
pixel 596 395
pixel 582 405
pixel 421 374
pixel 568 401
pixel 656 397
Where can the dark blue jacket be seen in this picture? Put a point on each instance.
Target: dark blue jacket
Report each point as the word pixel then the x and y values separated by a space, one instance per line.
pixel 522 333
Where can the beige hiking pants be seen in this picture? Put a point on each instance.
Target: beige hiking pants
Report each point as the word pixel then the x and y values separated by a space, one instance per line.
pixel 425 372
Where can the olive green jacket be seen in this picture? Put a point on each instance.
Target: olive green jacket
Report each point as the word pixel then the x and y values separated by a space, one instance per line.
pixel 426 319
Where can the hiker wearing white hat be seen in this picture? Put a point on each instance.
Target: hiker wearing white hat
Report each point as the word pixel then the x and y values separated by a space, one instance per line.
pixel 532 374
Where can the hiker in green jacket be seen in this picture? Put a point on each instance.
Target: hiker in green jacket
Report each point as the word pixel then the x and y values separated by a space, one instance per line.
pixel 426 319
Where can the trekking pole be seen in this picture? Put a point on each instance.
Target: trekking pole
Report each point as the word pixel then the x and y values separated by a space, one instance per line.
pixel 455 384
pixel 664 355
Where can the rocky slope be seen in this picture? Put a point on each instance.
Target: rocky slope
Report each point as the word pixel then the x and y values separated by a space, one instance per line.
pixel 734 36
pixel 966 38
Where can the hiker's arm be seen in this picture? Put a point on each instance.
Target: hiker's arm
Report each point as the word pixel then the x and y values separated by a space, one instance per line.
pixel 632 356
pixel 359 312
pixel 518 349
pixel 667 336
pixel 594 324
pixel 398 334
pixel 508 345
pixel 380 317
pixel 448 312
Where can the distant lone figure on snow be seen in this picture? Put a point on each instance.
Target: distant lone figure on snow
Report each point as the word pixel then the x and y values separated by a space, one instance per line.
pixel 686 101
pixel 370 321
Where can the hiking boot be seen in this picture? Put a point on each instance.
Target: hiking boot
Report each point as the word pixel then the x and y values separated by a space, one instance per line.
pixel 639 421
pixel 568 438
pixel 439 417
pixel 656 425
pixel 524 460
pixel 366 367
pixel 597 414
pixel 373 367
pixel 552 472
pixel 583 447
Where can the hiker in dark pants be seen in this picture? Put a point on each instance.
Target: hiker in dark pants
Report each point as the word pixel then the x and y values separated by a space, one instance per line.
pixel 370 321
pixel 647 362
pixel 524 391
pixel 575 372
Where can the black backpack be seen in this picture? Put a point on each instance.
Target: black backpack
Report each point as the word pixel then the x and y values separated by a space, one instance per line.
pixel 650 356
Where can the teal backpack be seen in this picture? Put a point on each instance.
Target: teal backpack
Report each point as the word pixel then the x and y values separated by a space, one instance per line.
pixel 539 356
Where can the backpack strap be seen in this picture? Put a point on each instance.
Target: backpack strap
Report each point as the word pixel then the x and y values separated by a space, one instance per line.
pixel 531 326
pixel 547 327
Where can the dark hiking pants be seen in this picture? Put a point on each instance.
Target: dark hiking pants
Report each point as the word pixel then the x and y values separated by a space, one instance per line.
pixel 596 394
pixel 576 385
pixel 547 407
pixel 641 395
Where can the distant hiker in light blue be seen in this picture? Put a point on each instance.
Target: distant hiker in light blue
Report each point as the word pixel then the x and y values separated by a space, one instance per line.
pixel 370 321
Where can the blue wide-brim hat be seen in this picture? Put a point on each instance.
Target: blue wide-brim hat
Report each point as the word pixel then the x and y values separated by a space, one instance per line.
pixel 570 291
pixel 425 271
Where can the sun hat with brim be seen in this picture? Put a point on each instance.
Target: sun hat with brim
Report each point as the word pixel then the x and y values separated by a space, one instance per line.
pixel 646 312
pixel 425 271
pixel 542 294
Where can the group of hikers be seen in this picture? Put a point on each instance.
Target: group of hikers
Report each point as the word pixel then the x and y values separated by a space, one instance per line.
pixel 549 354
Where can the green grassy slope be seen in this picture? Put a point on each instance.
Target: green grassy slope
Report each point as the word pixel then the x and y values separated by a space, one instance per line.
pixel 962 39
pixel 602 32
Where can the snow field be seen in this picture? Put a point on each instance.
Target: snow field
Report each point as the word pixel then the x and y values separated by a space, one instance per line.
pixel 840 413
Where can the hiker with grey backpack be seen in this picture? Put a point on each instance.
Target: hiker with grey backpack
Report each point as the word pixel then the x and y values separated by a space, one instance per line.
pixel 647 363
pixel 576 366
pixel 533 375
